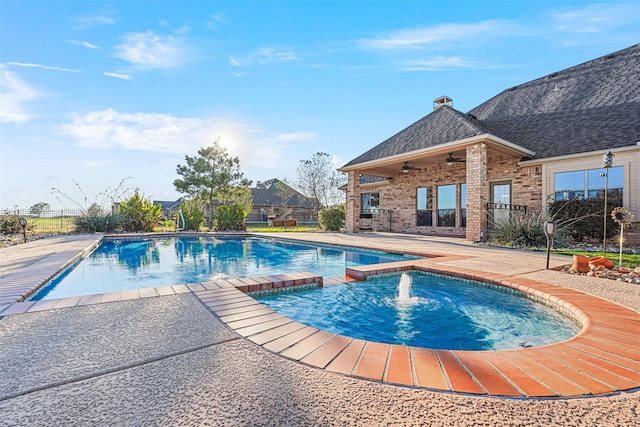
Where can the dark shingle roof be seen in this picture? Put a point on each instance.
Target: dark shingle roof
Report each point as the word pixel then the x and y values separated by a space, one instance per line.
pixel 443 125
pixel 268 193
pixel 592 106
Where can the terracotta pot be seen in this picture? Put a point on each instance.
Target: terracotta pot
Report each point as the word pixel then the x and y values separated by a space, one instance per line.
pixel 600 260
pixel 581 263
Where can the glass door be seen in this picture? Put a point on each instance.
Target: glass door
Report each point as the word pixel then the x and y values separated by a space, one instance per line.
pixel 500 201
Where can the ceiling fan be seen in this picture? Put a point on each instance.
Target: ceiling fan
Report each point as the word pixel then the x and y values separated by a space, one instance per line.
pixel 451 160
pixel 406 168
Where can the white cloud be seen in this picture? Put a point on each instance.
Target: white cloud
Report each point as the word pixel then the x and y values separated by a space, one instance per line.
pixel 45 67
pixel 266 55
pixel 15 94
pixel 138 131
pixel 87 21
pixel 216 19
pixel 110 129
pixel 152 51
pixel 438 63
pixel 183 29
pixel 118 75
pixel 436 35
pixel 83 43
pixel 597 18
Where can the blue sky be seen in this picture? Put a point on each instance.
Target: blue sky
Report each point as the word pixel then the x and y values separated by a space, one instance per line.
pixel 96 92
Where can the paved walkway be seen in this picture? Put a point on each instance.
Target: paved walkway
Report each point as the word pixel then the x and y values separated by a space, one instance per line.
pixel 168 360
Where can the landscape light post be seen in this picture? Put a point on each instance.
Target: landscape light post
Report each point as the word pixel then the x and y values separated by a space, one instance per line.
pixel 23 223
pixel 549 231
pixel 607 162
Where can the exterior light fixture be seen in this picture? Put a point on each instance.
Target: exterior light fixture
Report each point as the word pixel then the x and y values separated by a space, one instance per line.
pixel 607 162
pixel 549 231
pixel 23 223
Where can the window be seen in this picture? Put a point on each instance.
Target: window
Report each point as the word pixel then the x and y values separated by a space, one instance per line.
pixel 447 205
pixel 588 183
pixel 463 205
pixel 424 207
pixel 370 202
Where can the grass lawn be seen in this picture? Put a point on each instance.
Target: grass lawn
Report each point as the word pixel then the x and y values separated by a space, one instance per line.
pixel 628 260
pixel 60 224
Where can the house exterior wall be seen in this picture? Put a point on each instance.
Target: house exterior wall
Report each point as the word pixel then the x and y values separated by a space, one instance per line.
pixel 399 197
pixel 526 181
pixel 352 214
pixel 628 159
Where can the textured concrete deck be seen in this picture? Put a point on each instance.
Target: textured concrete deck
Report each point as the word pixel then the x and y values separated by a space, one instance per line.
pixel 168 360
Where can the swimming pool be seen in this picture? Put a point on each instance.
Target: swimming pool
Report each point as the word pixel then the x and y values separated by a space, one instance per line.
pixel 125 264
pixel 429 311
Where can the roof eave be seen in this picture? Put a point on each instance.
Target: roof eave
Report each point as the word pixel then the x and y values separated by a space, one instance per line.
pixel 578 155
pixel 437 149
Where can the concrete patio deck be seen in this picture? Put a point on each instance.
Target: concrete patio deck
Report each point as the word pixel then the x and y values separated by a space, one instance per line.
pixel 168 360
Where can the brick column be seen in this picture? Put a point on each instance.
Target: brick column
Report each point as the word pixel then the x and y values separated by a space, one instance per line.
pixel 477 191
pixel 352 215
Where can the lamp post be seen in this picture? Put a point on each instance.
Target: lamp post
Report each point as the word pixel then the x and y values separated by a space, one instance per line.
pixel 23 223
pixel 549 231
pixel 607 162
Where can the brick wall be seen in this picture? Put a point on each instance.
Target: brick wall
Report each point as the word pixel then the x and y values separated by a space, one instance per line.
pixel 400 196
pixel 526 182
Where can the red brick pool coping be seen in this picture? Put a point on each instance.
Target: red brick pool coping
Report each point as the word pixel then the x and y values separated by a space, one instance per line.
pixel 603 358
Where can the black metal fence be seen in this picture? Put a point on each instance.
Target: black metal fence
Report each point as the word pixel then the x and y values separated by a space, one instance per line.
pixel 43 221
pixel 498 212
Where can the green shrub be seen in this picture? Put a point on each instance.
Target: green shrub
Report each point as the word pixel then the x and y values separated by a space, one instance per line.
pixel 582 219
pixel 229 217
pixel 193 213
pixel 524 230
pixel 96 220
pixel 9 224
pixel 98 223
pixel 140 214
pixel 332 219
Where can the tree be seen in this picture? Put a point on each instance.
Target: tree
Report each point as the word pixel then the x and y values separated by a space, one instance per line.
pixel 319 180
pixel 38 208
pixel 211 175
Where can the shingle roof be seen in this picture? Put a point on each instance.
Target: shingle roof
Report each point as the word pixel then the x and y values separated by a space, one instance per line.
pixel 267 193
pixel 588 107
pixel 592 106
pixel 443 125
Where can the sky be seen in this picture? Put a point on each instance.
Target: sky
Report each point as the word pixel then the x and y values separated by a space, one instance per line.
pixel 94 94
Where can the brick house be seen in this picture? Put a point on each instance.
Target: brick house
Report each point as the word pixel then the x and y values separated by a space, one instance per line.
pixel 274 198
pixel 454 173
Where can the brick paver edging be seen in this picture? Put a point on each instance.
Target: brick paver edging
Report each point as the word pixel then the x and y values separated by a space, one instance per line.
pixel 603 358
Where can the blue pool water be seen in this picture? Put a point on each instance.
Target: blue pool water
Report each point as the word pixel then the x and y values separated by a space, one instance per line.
pixel 121 265
pixel 436 312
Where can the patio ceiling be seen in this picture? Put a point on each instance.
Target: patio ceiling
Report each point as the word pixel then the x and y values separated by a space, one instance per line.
pixel 390 167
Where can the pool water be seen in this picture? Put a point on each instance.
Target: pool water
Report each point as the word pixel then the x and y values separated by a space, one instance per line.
pixel 119 265
pixel 434 312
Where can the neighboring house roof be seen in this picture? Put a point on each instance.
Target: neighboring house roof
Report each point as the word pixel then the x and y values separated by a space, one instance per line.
pixel 592 106
pixel 265 193
pixel 172 204
pixel 270 193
